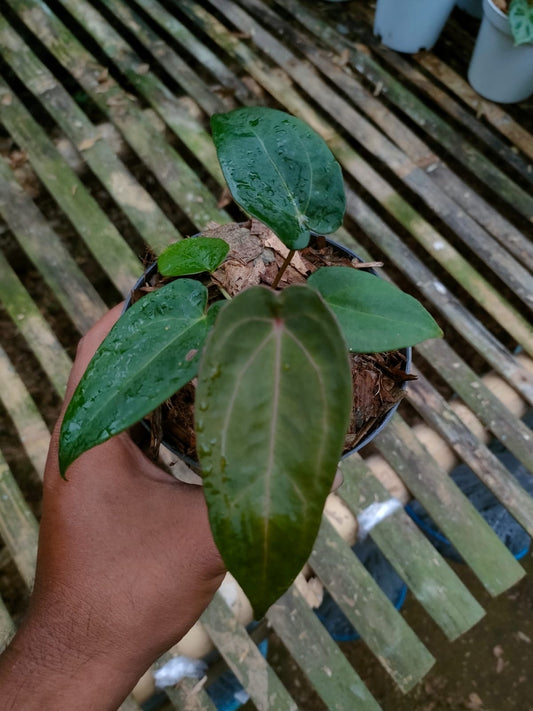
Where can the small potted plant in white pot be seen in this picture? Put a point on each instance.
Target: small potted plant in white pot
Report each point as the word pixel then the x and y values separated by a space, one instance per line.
pixel 261 332
pixel 501 68
pixel 411 25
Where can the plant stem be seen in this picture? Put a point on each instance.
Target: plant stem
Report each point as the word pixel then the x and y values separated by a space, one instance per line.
pixel 224 292
pixel 284 266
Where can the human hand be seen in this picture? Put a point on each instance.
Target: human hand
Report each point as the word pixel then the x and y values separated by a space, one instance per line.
pixel 126 565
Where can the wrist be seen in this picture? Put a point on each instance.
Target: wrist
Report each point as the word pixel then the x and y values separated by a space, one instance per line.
pixel 49 665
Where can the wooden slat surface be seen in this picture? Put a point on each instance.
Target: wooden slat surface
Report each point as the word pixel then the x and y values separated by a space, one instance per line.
pixel 311 646
pixel 426 573
pixel 245 659
pixel 368 609
pixel 438 184
pixel 7 626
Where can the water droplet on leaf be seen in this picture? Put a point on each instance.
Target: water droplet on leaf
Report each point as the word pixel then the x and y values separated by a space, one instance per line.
pixel 203 450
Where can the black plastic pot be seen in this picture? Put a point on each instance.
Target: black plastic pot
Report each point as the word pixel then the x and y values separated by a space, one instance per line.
pixel 374 431
pixel 407 352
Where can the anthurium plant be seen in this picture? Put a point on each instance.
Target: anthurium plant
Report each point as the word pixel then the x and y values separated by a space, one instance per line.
pixel 520 19
pixel 271 365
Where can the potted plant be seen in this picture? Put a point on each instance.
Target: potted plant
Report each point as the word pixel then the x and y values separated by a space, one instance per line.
pixel 264 339
pixel 411 25
pixel 501 68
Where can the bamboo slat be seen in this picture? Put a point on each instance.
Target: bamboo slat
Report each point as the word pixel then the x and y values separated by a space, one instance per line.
pixel 280 86
pixel 494 114
pixel 31 324
pixel 371 613
pixel 187 129
pixel 454 109
pixel 422 182
pixel 188 697
pixel 100 235
pixel 399 147
pixel 7 626
pixel 244 658
pixel 177 67
pixel 439 415
pixel 449 508
pixel 495 416
pixel 428 576
pixel 144 213
pixel 321 660
pixel 18 527
pixel 463 151
pixel 442 298
pixel 24 413
pixel 202 54
pixel 129 704
pixel 73 290
pixel 172 171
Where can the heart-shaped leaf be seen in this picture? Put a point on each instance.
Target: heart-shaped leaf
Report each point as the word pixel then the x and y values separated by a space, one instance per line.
pixel 151 352
pixel 193 255
pixel 272 408
pixel 374 315
pixel 521 21
pixel 281 171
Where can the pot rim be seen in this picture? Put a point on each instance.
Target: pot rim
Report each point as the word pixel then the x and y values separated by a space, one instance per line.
pixel 374 431
pixel 496 17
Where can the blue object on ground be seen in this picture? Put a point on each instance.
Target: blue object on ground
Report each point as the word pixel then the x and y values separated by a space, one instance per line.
pixel 226 692
pixel 498 518
pixel 330 614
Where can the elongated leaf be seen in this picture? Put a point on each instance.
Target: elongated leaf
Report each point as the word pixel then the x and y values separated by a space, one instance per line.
pixel 521 21
pixel 151 352
pixel 280 171
pixel 193 255
pixel 272 408
pixel 374 315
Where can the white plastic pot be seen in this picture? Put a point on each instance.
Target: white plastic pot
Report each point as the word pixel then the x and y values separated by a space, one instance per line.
pixel 472 7
pixel 499 70
pixel 411 25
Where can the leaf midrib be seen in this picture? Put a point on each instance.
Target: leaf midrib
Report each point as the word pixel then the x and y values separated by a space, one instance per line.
pixel 297 212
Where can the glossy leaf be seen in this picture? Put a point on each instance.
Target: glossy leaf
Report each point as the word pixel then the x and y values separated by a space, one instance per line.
pixel 272 409
pixel 281 171
pixel 151 352
pixel 193 255
pixel 374 315
pixel 521 21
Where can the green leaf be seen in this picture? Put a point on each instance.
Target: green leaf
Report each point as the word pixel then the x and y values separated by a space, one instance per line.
pixel 193 255
pixel 280 171
pixel 521 21
pixel 374 315
pixel 272 408
pixel 151 352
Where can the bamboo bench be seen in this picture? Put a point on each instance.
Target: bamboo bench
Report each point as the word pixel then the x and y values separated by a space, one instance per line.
pixel 105 152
